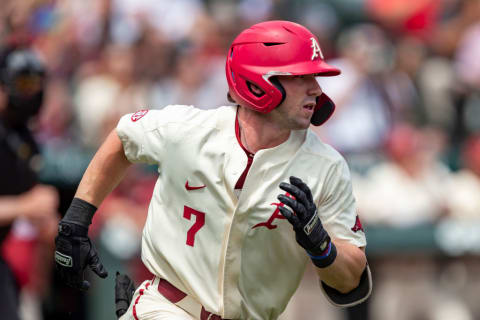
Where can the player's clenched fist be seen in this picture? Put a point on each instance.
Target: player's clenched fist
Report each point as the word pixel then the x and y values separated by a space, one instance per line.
pixel 308 228
pixel 74 250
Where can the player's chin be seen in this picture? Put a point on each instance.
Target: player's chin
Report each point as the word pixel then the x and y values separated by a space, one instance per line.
pixel 303 121
pixel 301 124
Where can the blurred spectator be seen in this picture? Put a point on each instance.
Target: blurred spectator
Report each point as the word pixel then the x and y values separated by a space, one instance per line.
pixel 363 112
pixel 28 210
pixel 456 17
pixel 104 93
pixel 196 80
pixel 401 83
pixel 463 200
pixel 408 188
pixel 467 68
pixel 436 82
pixel 466 65
pixel 199 71
pixel 416 18
pixel 153 55
pixel 173 19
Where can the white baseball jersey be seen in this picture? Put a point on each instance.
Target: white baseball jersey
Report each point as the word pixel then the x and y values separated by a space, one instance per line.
pixel 237 256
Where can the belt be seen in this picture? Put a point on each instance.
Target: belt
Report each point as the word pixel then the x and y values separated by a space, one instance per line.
pixel 181 299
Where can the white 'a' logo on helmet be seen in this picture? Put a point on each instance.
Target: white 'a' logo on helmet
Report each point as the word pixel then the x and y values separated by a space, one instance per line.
pixel 317 52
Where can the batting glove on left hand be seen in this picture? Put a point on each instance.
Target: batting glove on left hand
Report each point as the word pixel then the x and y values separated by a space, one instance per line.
pixel 309 231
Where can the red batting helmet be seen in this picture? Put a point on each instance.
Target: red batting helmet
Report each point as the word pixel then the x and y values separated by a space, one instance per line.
pixel 270 49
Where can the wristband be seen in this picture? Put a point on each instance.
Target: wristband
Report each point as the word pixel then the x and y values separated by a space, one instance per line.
pixel 327 258
pixel 80 212
pixel 67 228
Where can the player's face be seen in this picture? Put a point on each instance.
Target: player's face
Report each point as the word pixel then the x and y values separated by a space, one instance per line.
pixel 297 109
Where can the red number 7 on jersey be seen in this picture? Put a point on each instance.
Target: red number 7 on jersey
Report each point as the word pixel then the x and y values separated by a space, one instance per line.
pixel 199 222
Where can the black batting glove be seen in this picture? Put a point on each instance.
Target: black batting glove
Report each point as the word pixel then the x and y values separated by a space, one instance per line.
pixel 309 231
pixel 74 250
pixel 124 290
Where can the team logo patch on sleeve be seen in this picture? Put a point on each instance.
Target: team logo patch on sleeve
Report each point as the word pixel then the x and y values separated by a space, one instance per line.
pixel 358 225
pixel 138 115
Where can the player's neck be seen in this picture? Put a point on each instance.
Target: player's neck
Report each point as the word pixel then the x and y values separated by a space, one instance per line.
pixel 258 132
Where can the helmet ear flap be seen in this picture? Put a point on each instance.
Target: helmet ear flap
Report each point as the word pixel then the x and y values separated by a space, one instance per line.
pixel 323 110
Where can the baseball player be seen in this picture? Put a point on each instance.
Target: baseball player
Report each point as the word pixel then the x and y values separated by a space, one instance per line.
pixel 246 195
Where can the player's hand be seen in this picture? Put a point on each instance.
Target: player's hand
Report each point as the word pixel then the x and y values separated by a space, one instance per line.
pixel 74 251
pixel 124 290
pixel 303 216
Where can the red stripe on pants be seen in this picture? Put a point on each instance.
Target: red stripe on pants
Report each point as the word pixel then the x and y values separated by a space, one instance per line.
pixel 136 301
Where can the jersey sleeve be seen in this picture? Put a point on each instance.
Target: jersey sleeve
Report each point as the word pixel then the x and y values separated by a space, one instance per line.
pixel 337 206
pixel 140 139
pixel 147 134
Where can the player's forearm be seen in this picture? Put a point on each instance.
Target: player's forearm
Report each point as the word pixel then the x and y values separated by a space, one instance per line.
pixel 344 273
pixel 73 248
pixel 105 171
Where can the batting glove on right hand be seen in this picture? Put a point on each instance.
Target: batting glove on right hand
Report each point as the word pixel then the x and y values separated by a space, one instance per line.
pixel 74 250
pixel 309 231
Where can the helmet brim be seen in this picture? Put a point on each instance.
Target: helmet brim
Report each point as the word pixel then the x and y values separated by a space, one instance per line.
pixel 319 68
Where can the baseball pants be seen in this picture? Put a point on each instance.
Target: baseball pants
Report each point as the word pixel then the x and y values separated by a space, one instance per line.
pixel 149 304
pixel 157 299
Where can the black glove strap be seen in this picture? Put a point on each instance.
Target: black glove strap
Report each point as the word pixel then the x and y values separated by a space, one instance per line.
pixel 80 213
pixel 325 259
pixel 69 229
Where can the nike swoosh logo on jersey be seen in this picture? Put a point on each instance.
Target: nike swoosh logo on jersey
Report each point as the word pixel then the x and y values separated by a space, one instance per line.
pixel 193 188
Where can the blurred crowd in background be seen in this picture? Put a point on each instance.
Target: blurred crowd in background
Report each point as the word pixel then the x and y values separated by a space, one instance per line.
pixel 407 121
